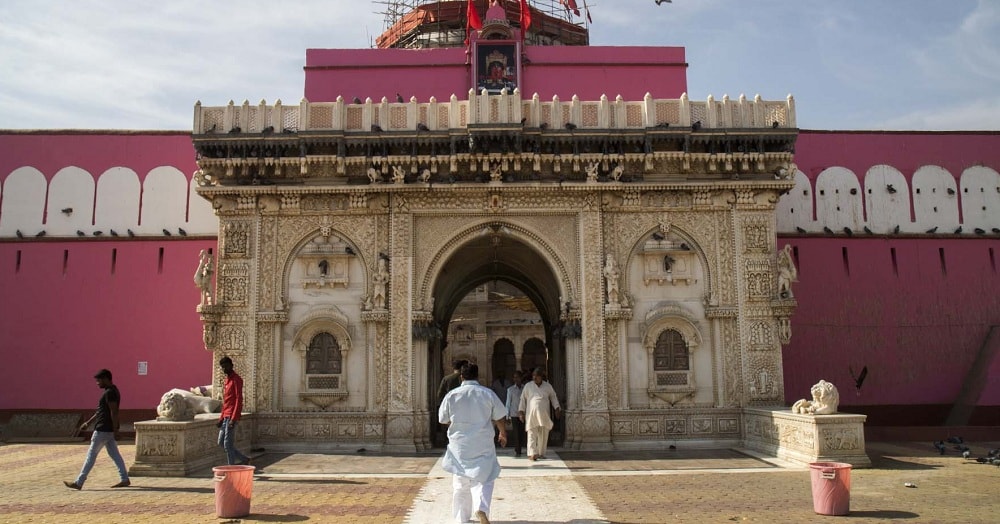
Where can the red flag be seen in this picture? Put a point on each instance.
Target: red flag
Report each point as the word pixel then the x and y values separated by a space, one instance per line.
pixel 571 4
pixel 525 18
pixel 474 21
pixel 587 10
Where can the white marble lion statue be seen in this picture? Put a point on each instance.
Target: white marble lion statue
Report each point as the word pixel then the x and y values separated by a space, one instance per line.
pixel 170 407
pixel 173 408
pixel 825 400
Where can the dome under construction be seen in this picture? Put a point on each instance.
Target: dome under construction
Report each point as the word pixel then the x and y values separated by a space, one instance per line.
pixel 415 24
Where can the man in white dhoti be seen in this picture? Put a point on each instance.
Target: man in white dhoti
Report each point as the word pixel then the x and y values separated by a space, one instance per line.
pixel 536 397
pixel 471 411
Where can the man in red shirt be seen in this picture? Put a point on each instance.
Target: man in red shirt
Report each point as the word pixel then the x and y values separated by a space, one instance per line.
pixel 232 406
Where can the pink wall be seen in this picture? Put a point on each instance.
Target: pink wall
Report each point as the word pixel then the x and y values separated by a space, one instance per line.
pixel 917 328
pixel 552 70
pixel 59 327
pixel 905 151
pixel 96 151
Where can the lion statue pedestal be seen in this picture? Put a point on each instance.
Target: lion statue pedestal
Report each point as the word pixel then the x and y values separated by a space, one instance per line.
pixel 813 431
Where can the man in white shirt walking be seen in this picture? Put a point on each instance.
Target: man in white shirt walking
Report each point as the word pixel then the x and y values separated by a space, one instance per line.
pixel 536 397
pixel 471 411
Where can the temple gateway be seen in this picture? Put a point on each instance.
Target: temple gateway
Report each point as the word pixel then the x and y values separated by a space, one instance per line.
pixel 626 246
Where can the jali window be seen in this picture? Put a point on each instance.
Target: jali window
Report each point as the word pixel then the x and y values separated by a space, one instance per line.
pixel 323 356
pixel 670 353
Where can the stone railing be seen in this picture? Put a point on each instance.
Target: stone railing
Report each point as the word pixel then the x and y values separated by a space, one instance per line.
pixel 484 109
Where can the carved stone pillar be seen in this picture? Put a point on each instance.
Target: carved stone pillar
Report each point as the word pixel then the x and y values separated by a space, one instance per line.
pixel 268 326
pixel 594 428
pixel 615 335
pixel 400 419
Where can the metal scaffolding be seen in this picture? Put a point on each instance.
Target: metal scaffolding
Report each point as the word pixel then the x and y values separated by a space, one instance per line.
pixel 422 24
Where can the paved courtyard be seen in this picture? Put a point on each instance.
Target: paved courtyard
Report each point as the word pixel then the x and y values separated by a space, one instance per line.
pixel 570 487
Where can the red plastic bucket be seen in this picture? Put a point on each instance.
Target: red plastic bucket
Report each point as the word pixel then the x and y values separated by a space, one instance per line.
pixel 233 489
pixel 831 487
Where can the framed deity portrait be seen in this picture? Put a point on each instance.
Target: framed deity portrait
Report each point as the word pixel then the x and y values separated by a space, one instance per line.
pixel 497 66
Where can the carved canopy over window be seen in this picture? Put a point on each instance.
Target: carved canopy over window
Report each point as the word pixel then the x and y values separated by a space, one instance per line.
pixel 670 352
pixel 323 356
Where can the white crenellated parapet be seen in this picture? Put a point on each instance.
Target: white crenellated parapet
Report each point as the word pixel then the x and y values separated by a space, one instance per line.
pixel 932 202
pixel 483 108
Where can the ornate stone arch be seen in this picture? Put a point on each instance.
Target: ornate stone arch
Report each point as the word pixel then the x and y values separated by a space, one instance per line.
pixel 695 247
pixel 322 389
pixel 671 386
pixel 515 231
pixel 367 267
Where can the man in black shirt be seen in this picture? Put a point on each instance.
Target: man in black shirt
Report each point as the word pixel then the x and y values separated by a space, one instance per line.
pixel 105 432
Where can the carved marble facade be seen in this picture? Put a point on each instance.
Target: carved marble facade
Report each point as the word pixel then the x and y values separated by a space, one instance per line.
pixel 651 259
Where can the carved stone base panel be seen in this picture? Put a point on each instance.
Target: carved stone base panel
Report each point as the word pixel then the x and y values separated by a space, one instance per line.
pixel 326 432
pixel 807 438
pixel 656 428
pixel 588 430
pixel 177 449
pixel 399 431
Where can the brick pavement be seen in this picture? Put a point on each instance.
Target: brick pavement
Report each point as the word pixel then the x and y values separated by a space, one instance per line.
pixel 627 488
pixel 31 491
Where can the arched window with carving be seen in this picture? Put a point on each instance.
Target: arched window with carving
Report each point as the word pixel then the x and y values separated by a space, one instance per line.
pixel 323 356
pixel 671 352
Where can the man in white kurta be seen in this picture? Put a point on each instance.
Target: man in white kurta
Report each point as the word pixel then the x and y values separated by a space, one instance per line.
pixel 471 411
pixel 536 397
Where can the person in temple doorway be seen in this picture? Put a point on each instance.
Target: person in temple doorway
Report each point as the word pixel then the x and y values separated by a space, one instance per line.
pixel 452 380
pixel 533 410
pixel 513 401
pixel 500 385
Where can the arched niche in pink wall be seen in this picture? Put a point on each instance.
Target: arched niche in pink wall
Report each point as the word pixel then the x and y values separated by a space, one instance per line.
pixel 201 218
pixel 164 201
pixel 838 199
pixel 23 202
pixel 979 192
pixel 935 199
pixel 117 207
pixel 795 209
pixel 887 200
pixel 71 203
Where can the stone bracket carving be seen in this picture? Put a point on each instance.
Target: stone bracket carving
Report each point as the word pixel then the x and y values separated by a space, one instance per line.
pixel 210 316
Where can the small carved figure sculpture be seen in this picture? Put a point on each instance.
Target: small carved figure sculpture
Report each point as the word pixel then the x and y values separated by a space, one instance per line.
pixel 398 175
pixel 380 280
pixel 617 172
pixel 208 334
pixel 787 273
pixel 825 400
pixel 496 172
pixel 611 276
pixel 373 175
pixel 425 175
pixel 203 277
pixel 592 171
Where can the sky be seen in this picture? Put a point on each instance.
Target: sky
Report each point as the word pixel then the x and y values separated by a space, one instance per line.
pixel 851 65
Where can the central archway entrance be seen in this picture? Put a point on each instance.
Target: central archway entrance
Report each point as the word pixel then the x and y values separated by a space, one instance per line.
pixel 496 300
